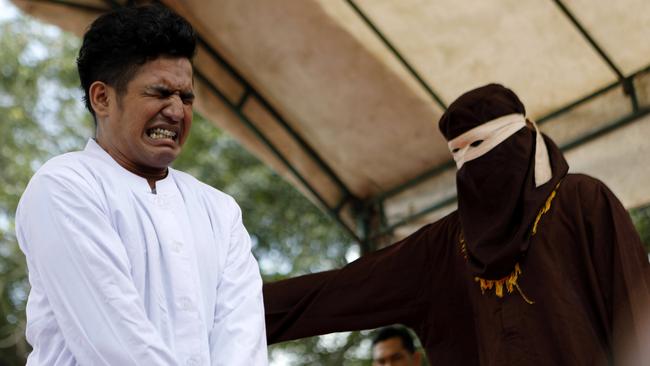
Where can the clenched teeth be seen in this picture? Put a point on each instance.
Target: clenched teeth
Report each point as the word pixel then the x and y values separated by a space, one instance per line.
pixel 161 133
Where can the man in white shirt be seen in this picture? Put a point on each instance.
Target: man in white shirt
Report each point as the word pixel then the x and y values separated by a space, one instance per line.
pixel 132 262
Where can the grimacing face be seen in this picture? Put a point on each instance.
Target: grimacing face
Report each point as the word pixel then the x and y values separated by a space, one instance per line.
pixel 144 129
pixel 391 352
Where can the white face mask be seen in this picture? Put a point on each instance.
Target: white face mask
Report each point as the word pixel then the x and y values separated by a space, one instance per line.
pixel 481 139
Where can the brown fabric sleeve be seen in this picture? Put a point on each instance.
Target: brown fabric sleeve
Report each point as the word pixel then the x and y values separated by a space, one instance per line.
pixel 388 286
pixel 623 274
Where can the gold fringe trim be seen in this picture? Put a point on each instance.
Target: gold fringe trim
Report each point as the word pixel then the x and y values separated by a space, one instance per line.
pixel 545 208
pixel 463 247
pixel 509 282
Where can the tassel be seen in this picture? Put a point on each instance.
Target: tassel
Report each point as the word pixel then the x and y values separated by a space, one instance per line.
pixel 508 282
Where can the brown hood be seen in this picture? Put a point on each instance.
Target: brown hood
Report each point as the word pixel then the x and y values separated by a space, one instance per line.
pixel 497 198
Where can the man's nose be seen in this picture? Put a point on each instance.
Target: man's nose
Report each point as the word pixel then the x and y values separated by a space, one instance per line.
pixel 174 109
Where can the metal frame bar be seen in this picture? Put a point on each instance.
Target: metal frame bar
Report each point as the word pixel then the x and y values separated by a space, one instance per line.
pixel 249 90
pixel 378 200
pixel 569 107
pixel 626 82
pixel 436 206
pixel 237 108
pixel 74 5
pixel 544 119
pixel 397 54
pixel 242 117
pixel 414 181
pixel 621 122
pixel 621 82
pixel 364 222
pixel 628 86
pixel 278 117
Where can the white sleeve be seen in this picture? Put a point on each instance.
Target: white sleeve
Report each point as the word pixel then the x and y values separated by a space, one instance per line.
pixel 238 335
pixel 85 272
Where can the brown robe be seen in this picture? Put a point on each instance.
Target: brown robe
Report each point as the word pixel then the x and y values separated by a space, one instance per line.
pixel 585 270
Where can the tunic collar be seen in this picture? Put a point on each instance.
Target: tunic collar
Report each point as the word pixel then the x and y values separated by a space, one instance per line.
pixel 136 182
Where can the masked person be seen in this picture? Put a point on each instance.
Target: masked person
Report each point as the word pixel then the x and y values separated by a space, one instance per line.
pixel 130 261
pixel 536 267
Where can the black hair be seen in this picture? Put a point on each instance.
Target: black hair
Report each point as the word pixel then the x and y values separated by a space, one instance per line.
pixel 395 332
pixel 117 43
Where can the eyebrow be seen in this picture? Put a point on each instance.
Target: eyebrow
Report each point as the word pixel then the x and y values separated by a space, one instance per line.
pixel 161 89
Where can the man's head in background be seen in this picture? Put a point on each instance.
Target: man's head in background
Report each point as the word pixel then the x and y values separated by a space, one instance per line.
pixel 393 346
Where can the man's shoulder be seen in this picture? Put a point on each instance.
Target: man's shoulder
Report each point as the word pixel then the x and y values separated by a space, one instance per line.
pixel 66 174
pixel 91 160
pixel 69 167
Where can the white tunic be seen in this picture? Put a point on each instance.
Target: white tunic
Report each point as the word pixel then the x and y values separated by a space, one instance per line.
pixel 122 276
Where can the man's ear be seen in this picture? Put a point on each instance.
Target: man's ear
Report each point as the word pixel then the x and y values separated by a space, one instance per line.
pixel 99 95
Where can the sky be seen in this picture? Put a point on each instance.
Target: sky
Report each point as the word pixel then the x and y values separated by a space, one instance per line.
pixel 7 10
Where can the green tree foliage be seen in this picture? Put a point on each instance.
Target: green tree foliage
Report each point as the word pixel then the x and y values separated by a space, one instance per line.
pixel 290 235
pixel 40 117
pixel 641 219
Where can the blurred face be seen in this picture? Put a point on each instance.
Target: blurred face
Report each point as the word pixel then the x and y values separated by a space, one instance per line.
pixel 391 352
pixel 145 128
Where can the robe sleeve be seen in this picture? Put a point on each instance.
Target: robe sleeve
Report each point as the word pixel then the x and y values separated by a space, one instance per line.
pixel 238 333
pixel 623 274
pixel 84 270
pixel 391 285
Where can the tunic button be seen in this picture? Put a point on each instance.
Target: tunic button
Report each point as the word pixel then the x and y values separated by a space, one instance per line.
pixel 193 361
pixel 185 303
pixel 161 202
pixel 177 246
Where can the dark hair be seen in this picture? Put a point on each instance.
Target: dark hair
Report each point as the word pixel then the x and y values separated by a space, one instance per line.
pixel 119 42
pixel 395 332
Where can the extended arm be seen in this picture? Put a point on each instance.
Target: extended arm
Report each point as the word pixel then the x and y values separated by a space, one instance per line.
pixel 392 285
